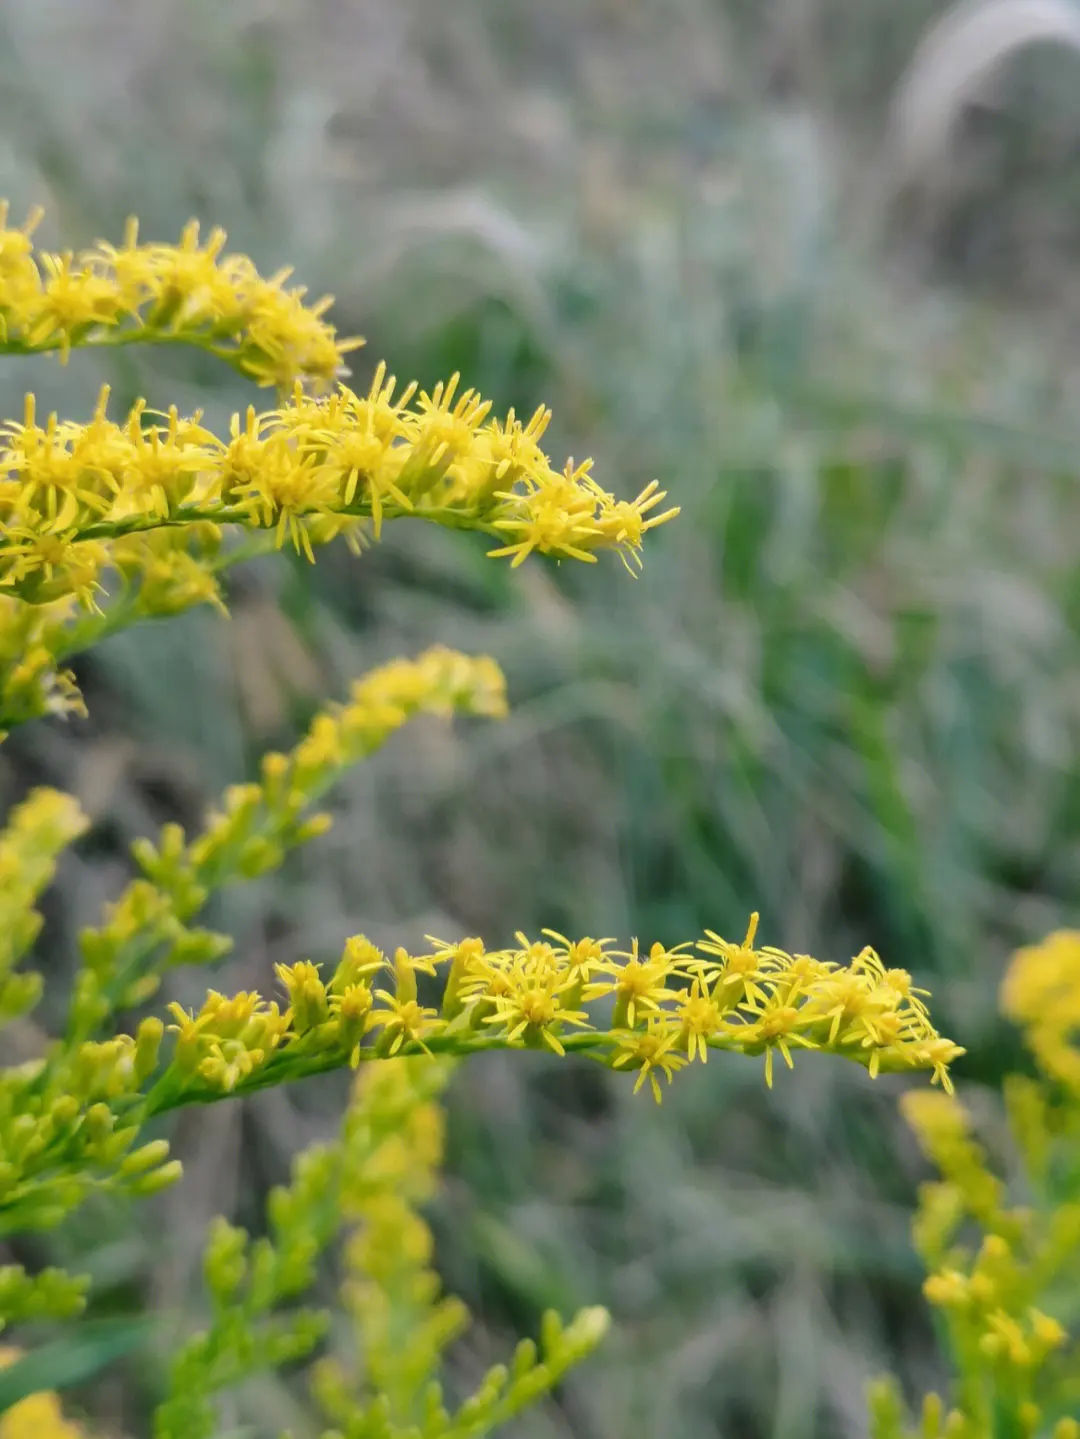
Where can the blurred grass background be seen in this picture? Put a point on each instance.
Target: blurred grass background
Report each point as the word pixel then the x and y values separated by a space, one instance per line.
pixel 844 691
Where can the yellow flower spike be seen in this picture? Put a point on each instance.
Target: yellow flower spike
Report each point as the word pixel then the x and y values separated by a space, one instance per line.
pixel 147 503
pixel 136 292
pixel 304 472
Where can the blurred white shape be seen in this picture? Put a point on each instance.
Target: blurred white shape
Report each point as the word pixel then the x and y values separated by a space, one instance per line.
pixel 955 59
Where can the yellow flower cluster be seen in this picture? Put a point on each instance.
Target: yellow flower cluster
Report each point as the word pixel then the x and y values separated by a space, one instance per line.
pixel 159 573
pixel 188 293
pixel 38 1416
pixel 37 831
pixel 33 681
pixel 105 523
pixel 661 1011
pixel 1016 1369
pixel 70 1120
pixel 69 1128
pixel 1041 993
pixel 74 497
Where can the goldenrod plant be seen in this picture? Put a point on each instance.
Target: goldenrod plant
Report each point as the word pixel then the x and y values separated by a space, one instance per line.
pixel 107 522
pixel 1004 1271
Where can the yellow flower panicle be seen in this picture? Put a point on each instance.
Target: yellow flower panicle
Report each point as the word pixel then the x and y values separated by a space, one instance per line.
pixel 370 1183
pixel 999 1274
pixel 105 523
pixel 1012 1356
pixel 188 293
pixel 403 1323
pixel 554 994
pixel 391 1292
pixel 73 497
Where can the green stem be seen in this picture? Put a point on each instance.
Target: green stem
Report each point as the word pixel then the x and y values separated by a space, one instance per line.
pixel 442 515
pixel 115 339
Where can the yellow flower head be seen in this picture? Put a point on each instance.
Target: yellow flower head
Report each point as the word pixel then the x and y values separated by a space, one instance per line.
pixel 38 1416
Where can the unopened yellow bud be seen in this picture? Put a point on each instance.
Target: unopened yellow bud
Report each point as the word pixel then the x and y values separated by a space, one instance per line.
pixel 147 1156
pixel 99 1121
pixel 308 999
pixel 947 1288
pixel 352 1011
pixel 225 1260
pixel 147 1045
pixel 313 827
pixel 1030 1416
pixel 404 977
pixel 158 1179
pixel 1048 1333
pixel 359 961
pixel 933 1413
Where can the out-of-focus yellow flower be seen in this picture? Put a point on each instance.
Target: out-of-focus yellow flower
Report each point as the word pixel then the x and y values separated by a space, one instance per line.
pixel 38 1416
pixel 1014 1360
pixel 1041 993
